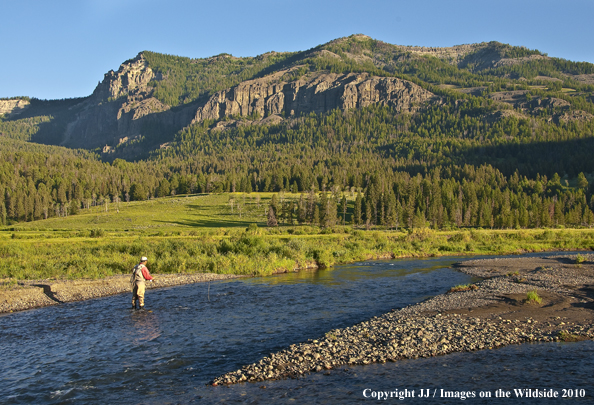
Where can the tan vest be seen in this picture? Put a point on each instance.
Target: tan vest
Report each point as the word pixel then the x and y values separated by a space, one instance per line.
pixel 137 276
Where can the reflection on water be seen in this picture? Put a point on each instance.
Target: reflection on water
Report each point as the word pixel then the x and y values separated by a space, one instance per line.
pixel 100 351
pixel 145 326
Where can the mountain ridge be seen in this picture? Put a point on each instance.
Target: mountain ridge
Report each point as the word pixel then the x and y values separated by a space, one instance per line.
pixel 151 97
pixel 412 138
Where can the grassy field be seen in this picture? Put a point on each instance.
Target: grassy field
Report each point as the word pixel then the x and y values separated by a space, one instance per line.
pixel 226 233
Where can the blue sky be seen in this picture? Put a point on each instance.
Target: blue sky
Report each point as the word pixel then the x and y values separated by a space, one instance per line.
pixel 62 48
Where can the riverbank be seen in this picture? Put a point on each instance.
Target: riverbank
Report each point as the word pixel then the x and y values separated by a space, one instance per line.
pixel 42 293
pixel 31 294
pixel 494 314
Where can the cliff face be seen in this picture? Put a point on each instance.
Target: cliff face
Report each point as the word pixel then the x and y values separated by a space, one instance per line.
pixel 317 93
pixel 132 77
pixel 122 109
pixel 13 107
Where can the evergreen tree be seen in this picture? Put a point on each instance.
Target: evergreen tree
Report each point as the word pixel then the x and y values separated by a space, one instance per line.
pixel 275 205
pixel 138 192
pixel 301 210
pixel 164 188
pixel 582 182
pixel 316 216
pixel 343 208
pixel 357 210
pixel 271 222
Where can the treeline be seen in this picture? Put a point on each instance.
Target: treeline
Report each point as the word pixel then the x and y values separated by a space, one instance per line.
pixel 441 198
pixel 483 198
pixel 364 192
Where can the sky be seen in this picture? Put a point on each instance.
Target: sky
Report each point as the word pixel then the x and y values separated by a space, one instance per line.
pixel 62 48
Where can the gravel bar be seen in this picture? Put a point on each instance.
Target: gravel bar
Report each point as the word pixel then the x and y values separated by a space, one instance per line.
pixel 493 315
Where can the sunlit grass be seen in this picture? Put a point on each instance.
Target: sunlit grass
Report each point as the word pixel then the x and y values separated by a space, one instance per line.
pixel 206 233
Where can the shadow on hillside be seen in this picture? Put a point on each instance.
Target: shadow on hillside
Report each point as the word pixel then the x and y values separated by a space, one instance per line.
pixel 156 128
pixel 545 158
pixel 569 157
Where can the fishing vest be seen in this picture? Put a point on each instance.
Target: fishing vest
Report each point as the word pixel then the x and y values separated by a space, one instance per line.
pixel 137 276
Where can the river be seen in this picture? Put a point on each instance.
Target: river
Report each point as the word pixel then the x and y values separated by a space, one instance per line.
pixel 100 351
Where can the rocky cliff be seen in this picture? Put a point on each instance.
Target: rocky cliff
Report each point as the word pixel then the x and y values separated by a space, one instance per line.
pixel 121 109
pixel 13 107
pixel 315 92
pixel 132 77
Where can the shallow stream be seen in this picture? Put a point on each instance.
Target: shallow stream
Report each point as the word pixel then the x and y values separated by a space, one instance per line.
pixel 100 351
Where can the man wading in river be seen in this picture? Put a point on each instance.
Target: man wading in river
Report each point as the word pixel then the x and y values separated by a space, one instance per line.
pixel 140 274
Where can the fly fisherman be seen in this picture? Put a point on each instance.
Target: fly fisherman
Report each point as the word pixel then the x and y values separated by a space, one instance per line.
pixel 140 274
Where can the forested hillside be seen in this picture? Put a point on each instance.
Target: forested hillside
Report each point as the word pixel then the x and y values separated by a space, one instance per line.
pixel 505 141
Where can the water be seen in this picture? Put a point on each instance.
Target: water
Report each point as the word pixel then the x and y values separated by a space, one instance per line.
pixel 99 351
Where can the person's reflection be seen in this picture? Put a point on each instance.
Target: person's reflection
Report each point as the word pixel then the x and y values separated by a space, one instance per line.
pixel 145 327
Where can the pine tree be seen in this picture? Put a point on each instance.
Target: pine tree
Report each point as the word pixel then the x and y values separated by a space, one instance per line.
pixel 301 210
pixel 324 207
pixel 357 210
pixel 2 213
pixel 582 182
pixel 290 213
pixel 391 211
pixel 343 208
pixel 316 216
pixel 271 217
pixel 275 206
pixel 311 206
pixel 164 188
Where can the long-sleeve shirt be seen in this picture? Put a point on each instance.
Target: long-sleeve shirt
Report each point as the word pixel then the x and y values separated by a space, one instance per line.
pixel 146 274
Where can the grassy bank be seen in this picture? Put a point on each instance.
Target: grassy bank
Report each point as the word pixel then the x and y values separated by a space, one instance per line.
pixel 209 234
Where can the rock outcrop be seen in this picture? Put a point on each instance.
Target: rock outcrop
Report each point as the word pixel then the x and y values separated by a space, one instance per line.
pixel 318 93
pixel 13 106
pixel 123 108
pixel 132 77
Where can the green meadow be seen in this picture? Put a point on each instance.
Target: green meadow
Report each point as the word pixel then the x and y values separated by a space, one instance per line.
pixel 227 233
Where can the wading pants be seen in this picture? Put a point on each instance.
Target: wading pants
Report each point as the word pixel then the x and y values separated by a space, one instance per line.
pixel 138 293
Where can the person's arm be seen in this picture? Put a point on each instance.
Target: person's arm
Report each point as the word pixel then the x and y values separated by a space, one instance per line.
pixel 146 274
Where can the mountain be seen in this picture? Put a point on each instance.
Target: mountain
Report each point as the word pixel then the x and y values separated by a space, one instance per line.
pixel 151 97
pixel 472 135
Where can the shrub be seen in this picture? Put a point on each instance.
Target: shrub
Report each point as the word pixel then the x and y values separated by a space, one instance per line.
pixel 461 237
pixel 323 258
pixel 532 296
pixel 253 229
pixel 565 336
pixel 297 245
pixel 97 233
pixel 463 287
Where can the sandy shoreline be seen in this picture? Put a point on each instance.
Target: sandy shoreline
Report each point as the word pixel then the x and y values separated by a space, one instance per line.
pixel 493 315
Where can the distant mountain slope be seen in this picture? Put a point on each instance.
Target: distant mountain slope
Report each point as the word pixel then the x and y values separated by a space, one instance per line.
pixel 151 97
pixel 480 135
